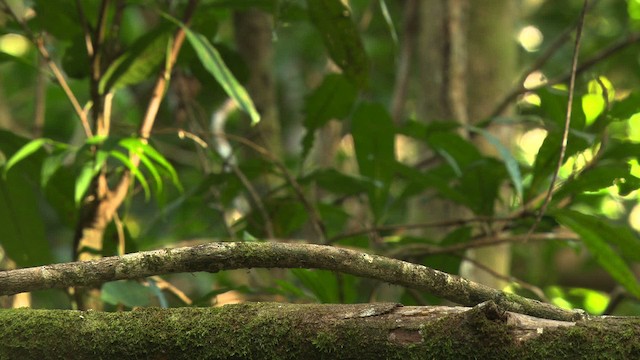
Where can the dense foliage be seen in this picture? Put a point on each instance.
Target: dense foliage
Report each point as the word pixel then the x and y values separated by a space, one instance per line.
pixel 343 173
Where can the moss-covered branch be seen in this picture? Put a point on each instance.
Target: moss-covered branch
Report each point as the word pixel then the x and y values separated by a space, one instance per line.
pixel 295 331
pixel 215 257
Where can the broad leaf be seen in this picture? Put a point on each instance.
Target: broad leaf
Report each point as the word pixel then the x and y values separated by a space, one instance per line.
pixel 28 149
pixel 134 170
pixel 23 235
pixel 455 150
pixel 341 38
pixel 480 184
pixel 510 163
pixel 596 236
pixel 547 159
pixel 128 293
pixel 597 178
pixel 212 61
pixel 83 181
pixel 373 138
pixel 139 62
pixel 333 99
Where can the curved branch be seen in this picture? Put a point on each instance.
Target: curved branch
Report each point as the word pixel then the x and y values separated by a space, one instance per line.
pixel 215 257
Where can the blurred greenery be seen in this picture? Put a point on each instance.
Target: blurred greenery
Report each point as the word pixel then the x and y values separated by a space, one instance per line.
pixel 344 176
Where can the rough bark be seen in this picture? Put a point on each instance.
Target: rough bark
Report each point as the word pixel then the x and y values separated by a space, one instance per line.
pixel 295 331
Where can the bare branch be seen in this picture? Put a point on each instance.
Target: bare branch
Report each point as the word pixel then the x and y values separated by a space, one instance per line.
pixel 567 123
pixel 436 224
pixel 421 250
pixel 216 257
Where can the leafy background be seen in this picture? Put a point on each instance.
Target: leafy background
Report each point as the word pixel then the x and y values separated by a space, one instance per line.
pixel 585 249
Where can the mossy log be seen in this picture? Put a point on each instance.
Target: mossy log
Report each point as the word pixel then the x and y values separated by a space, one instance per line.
pixel 297 331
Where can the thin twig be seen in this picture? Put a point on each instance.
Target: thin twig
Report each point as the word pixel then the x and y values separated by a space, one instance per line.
pixel 57 73
pixel 584 66
pixel 597 58
pixel 401 86
pixel 313 213
pixel 421 250
pixel 537 64
pixel 436 224
pixel 567 123
pixel 85 29
pixel 163 78
pixel 40 101
pixel 508 278
pixel 120 231
pixel 96 70
pixel 253 194
pixel 165 285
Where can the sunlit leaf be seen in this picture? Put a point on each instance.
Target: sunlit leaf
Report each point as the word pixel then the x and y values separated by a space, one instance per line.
pixel 592 105
pixel 141 148
pixel 28 149
pixel 83 181
pixel 212 61
pixel 547 158
pixel 134 170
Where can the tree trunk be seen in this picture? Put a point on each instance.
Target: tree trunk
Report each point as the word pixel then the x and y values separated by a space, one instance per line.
pixel 467 60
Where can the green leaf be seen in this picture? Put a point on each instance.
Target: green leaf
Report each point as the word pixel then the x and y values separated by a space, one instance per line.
pixel 288 216
pixel 456 151
pixel 23 235
pixel 553 108
pixel 333 99
pixel 373 138
pixel 134 170
pixel 600 177
pixel 51 164
pixel 139 62
pixel 420 181
pixel 592 106
pixel 547 159
pixel 59 18
pixel 623 109
pixel 323 284
pixel 510 163
pixel 134 145
pixel 480 184
pixel 341 38
pixel 595 234
pixel 212 61
pixel 28 149
pixel 143 149
pixel 128 293
pixel 83 181
pixel 75 62
pixel 339 183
